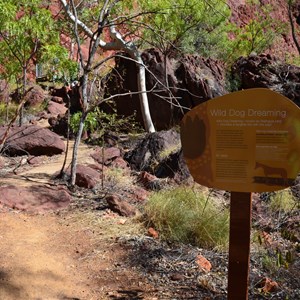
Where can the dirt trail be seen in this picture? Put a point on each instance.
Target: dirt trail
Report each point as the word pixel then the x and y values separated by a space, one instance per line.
pixel 67 255
pixel 37 259
pixel 43 173
pixel 40 253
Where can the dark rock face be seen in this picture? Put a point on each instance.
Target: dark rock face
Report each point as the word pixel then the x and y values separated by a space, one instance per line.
pixel 174 166
pixel 59 125
pixel 32 139
pixel 201 79
pixel 160 154
pixel 268 72
pixel 150 150
pixel 191 80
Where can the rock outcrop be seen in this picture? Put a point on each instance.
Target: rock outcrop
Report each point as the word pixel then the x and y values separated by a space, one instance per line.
pixel 268 72
pixel 32 139
pixel 174 89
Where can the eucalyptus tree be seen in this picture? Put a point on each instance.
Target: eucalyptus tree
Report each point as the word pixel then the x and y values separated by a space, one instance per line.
pixel 111 11
pixel 26 27
pixel 103 18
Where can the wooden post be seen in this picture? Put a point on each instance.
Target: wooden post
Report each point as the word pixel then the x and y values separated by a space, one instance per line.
pixel 239 245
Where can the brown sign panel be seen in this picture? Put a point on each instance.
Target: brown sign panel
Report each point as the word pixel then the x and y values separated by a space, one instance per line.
pixel 247 141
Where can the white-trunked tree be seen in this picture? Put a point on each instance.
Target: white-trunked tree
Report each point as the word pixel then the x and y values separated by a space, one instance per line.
pixel 116 42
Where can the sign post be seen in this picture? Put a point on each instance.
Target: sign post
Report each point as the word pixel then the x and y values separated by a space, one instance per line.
pixel 239 245
pixel 244 142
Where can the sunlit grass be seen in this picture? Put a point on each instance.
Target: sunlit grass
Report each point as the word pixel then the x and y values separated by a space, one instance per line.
pixel 189 216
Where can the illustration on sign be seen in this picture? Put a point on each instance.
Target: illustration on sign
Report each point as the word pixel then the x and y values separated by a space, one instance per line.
pixel 247 141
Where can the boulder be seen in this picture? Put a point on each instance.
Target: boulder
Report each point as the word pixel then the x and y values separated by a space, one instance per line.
pixel 57 99
pixel 36 198
pixel 35 96
pixel 56 109
pixel 87 177
pixel 200 79
pixel 59 125
pixel 152 149
pixel 32 139
pixel 119 206
pixel 191 80
pixel 267 71
pixel 173 166
pixel 106 155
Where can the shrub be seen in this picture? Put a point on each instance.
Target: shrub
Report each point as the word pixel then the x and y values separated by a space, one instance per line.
pixel 7 112
pixel 189 216
pixel 282 201
pixel 102 122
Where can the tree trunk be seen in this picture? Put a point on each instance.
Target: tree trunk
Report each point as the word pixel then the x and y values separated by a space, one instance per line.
pixel 141 83
pixel 118 43
pixel 21 117
pixel 81 126
pixel 75 150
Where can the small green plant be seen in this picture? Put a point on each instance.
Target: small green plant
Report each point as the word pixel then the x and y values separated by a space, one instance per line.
pixel 283 201
pixel 259 33
pixel 189 216
pixel 7 112
pixel 101 122
pixel 166 152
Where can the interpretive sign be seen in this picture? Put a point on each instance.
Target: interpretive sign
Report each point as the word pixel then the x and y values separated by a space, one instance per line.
pixel 247 141
pixel 244 142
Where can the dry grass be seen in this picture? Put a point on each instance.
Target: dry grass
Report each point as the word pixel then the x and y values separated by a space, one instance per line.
pixel 189 216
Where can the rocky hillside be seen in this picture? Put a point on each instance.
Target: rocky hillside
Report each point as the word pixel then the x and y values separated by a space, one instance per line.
pixel 242 13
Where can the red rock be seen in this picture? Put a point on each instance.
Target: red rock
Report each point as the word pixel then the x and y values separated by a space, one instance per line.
pixel 98 167
pixel 56 109
pixel 153 233
pixel 106 155
pixel 203 263
pixel 35 96
pixel 87 177
pixel 119 206
pixel 34 198
pixel 35 160
pixel 57 99
pixel 268 285
pixel 120 163
pixel 146 178
pixel 138 194
pixel 32 139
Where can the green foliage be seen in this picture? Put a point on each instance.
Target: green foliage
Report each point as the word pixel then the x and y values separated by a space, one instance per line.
pixel 259 33
pixel 283 201
pixel 100 122
pixel 190 26
pixel 60 68
pixel 25 27
pixel 188 216
pixel 7 111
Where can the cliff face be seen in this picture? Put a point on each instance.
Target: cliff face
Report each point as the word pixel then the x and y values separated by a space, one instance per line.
pixel 242 13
